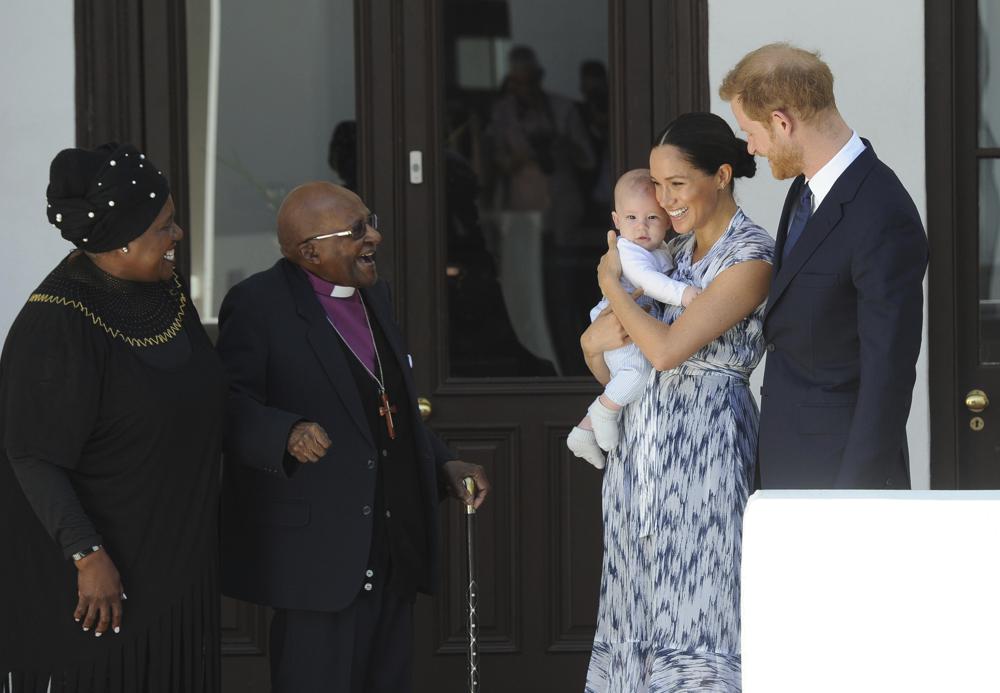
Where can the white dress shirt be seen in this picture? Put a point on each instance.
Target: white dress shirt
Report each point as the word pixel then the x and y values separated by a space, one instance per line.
pixel 821 183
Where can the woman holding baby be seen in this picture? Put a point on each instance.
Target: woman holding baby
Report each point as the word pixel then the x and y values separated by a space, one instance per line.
pixel 676 485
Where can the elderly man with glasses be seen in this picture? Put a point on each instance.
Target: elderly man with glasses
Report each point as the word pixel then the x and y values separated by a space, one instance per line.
pixel 332 480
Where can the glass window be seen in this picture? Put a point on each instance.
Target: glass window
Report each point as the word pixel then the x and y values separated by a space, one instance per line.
pixel 989 181
pixel 528 188
pixel 271 105
pixel 989 73
pixel 989 261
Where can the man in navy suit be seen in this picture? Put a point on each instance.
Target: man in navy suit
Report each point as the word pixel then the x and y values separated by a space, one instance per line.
pixel 331 479
pixel 843 319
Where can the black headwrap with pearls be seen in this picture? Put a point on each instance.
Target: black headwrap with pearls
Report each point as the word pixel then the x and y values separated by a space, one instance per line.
pixel 100 199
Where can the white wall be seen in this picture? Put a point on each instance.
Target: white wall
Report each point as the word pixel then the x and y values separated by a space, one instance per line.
pixel 876 53
pixel 36 121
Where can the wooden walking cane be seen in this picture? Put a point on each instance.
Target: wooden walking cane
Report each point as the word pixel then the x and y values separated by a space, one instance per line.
pixel 473 590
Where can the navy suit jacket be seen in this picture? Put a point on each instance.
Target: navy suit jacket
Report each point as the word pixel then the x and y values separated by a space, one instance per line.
pixel 843 326
pixel 297 536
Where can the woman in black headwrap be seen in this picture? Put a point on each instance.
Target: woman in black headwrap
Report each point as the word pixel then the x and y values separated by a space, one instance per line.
pixel 111 402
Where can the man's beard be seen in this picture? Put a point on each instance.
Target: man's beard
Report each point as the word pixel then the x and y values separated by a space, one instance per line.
pixel 786 162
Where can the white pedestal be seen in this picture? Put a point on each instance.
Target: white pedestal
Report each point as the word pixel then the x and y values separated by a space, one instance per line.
pixel 858 591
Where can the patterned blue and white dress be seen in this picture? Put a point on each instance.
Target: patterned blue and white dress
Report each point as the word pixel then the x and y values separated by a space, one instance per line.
pixel 674 493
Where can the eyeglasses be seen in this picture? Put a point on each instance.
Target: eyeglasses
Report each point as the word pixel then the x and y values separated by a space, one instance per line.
pixel 356 232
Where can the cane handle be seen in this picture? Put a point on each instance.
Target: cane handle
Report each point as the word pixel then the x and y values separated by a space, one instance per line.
pixel 470 488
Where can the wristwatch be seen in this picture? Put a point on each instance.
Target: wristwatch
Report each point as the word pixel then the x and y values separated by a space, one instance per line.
pixel 86 552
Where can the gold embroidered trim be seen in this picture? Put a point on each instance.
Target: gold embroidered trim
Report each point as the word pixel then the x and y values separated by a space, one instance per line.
pixel 162 338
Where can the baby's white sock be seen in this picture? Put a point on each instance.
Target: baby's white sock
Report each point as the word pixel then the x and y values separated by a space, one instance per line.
pixel 605 423
pixel 583 444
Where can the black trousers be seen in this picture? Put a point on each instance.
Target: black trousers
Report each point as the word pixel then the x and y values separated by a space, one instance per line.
pixel 366 648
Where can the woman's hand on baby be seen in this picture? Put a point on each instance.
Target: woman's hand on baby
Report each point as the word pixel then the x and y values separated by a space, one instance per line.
pixel 609 271
pixel 690 293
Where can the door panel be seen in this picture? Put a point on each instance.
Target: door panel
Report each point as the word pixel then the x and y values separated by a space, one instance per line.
pixel 503 280
pixel 244 646
pixel 977 65
pixel 494 273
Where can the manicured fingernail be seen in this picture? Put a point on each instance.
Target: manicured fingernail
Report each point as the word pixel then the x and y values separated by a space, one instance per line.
pixel 118 629
pixel 124 596
pixel 76 619
pixel 98 634
pixel 85 629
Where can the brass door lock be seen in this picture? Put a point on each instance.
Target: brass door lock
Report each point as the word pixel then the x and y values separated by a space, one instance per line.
pixel 977 424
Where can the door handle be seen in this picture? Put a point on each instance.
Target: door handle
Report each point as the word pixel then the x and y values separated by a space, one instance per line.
pixel 425 408
pixel 976 401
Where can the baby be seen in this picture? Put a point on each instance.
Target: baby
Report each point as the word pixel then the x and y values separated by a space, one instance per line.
pixel 643 225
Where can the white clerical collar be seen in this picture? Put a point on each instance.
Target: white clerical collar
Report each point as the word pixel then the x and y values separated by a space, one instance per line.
pixel 821 183
pixel 342 291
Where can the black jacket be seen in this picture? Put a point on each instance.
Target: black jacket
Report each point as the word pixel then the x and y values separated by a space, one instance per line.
pixel 297 536
pixel 843 330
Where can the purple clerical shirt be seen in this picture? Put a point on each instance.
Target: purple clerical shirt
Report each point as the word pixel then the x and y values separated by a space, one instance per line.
pixel 347 314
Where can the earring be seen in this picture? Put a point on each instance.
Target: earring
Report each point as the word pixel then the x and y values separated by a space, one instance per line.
pixel 125 249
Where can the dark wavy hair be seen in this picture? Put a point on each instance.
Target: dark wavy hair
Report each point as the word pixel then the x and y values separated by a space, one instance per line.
pixel 708 142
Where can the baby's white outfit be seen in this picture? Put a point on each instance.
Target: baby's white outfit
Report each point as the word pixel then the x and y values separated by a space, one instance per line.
pixel 645 269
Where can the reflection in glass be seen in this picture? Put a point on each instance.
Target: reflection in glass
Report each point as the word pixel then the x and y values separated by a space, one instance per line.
pixel 989 261
pixel 528 182
pixel 264 116
pixel 989 73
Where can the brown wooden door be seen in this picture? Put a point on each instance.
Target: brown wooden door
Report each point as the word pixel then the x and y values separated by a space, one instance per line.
pixel 494 279
pixel 978 247
pixel 964 149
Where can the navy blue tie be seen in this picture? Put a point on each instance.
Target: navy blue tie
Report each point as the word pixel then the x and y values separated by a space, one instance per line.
pixel 799 219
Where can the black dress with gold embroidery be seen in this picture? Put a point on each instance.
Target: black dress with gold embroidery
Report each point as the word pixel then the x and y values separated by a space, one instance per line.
pixel 111 405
